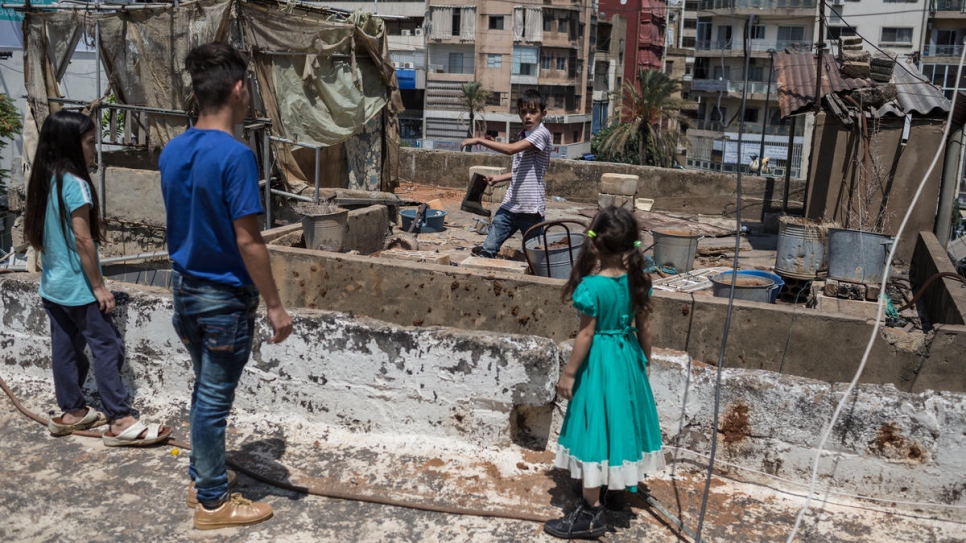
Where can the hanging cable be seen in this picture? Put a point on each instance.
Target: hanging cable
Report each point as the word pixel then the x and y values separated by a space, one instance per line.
pixel 881 305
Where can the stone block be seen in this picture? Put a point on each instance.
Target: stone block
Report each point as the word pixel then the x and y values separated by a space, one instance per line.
pixel 367 229
pixel 495 264
pixel 856 308
pixel 134 196
pixel 619 184
pixel 857 56
pixel 605 200
pixel 495 194
pixel 850 41
pixel 432 257
pixel 855 69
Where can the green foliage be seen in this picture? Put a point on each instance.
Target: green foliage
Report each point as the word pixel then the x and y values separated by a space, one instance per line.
pixel 639 116
pixel 626 154
pixel 474 100
pixel 10 126
pixel 106 120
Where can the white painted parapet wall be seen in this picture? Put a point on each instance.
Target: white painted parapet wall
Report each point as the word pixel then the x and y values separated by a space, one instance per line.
pixel 481 388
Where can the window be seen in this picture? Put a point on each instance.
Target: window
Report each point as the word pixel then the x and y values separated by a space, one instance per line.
pixel 524 61
pixel 558 102
pixel 545 61
pixel 718 114
pixel 576 136
pixel 669 67
pixel 757 32
pixel 457 21
pixel 563 25
pixel 557 136
pixel 494 61
pixel 751 115
pixel 718 74
pixel 896 35
pixel 494 99
pixel 455 63
pixel 547 23
pixel 561 63
pixel 496 22
pixel 836 32
pixel 724 37
pixel 790 34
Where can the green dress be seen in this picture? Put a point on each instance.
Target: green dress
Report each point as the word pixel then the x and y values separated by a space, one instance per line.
pixel 611 435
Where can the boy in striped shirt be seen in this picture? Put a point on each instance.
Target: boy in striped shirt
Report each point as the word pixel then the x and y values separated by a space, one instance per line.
pixel 525 202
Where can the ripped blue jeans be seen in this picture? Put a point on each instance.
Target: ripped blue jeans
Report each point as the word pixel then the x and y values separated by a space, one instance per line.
pixel 216 323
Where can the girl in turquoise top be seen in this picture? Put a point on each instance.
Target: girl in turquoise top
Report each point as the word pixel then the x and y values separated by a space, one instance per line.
pixel 611 435
pixel 62 223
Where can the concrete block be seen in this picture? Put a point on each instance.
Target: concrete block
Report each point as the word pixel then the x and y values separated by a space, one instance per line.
pixel 605 200
pixel 367 229
pixel 855 69
pixel 850 56
pixel 431 257
pixel 855 308
pixel 134 195
pixel 617 183
pixel 495 194
pixel 495 264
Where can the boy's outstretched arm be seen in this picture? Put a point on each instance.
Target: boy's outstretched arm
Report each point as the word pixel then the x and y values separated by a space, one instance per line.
pixel 499 147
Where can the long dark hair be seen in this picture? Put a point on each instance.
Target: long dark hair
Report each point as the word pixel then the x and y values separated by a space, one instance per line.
pixel 615 232
pixel 59 152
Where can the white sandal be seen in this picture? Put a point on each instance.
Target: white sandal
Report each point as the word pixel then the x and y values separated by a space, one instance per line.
pixel 92 419
pixel 129 437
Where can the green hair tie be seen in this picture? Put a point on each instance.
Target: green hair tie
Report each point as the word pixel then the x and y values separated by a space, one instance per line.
pixel 591 234
pixel 637 243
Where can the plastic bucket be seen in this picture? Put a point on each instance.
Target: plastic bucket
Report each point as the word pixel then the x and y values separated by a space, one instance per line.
pixel 557 254
pixel 432 220
pixel 802 248
pixel 857 257
pixel 750 285
pixel 675 248
pixel 325 232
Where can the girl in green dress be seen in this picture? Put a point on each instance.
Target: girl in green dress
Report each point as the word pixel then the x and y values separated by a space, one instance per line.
pixel 611 435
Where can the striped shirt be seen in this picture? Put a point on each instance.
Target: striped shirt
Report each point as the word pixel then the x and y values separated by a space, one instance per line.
pixel 527 192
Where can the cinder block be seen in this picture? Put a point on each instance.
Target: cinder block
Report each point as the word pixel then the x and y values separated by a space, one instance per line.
pixel 855 69
pixel 855 308
pixel 431 257
pixel 495 264
pixel 366 229
pixel 606 200
pixel 491 194
pixel 618 183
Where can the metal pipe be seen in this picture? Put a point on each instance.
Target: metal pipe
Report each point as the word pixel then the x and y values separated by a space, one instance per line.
pixel 652 501
pixel 298 197
pixel 91 7
pixel 101 182
pixel 788 169
pixel 949 184
pixel 134 258
pixel 267 172
pixel 764 120
pixel 293 142
pixel 318 166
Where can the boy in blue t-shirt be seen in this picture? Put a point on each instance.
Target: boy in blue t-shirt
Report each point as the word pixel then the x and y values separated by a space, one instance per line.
pixel 210 186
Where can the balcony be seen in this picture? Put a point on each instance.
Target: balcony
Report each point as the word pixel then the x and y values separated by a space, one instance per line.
pixel 758 4
pixel 749 128
pixel 950 5
pixel 714 85
pixel 933 50
pixel 756 45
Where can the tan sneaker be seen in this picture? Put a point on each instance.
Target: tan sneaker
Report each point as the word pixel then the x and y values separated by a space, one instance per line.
pixel 236 511
pixel 192 500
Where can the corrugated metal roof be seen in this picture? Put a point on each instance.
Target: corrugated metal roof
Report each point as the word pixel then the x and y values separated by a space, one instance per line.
pixel 916 94
pixel 795 77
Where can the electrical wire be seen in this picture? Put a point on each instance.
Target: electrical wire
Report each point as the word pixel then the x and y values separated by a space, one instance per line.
pixel 881 305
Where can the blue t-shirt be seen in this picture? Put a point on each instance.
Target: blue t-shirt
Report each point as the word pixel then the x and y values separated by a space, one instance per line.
pixel 63 280
pixel 209 180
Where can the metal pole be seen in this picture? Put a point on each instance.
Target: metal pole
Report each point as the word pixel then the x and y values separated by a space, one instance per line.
pixel 819 57
pixel 101 183
pixel 318 165
pixel 267 172
pixel 764 120
pixel 788 169
pixel 949 184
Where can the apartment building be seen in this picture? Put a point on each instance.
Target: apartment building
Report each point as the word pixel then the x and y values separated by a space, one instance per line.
pixel 942 44
pixel 510 47
pixel 718 82
pixel 894 27
pixel 608 67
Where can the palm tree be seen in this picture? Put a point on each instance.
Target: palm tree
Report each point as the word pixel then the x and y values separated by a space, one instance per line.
pixel 640 113
pixel 474 99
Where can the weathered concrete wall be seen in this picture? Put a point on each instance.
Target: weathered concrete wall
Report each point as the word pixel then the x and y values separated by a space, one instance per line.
pixel 369 376
pixel 687 191
pixel 944 299
pixel 356 373
pixel 835 186
pixel 791 340
pixel 134 196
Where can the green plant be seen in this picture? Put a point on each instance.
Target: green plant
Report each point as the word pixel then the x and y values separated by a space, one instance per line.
pixel 474 100
pixel 640 113
pixel 10 126
pixel 106 120
pixel 627 154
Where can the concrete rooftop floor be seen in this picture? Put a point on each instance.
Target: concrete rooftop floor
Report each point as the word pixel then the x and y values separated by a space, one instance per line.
pixel 73 489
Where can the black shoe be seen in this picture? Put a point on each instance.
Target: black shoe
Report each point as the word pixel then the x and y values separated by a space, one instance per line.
pixel 584 522
pixel 472 201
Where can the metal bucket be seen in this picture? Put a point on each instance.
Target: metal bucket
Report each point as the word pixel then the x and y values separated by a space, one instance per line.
pixel 802 248
pixel 559 256
pixel 325 232
pixel 857 257
pixel 748 286
pixel 675 248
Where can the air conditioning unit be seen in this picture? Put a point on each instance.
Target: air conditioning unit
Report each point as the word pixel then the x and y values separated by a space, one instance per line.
pixel 405 32
pixel 418 31
pixel 396 65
